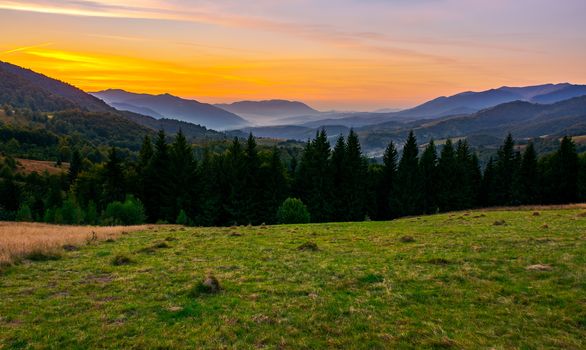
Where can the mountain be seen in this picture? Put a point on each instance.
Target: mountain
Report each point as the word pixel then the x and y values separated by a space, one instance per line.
pixel 47 90
pixel 66 110
pixel 469 102
pixel 523 119
pixel 268 111
pixel 172 107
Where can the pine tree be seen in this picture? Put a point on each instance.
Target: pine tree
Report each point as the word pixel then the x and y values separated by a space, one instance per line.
pixel 506 170
pixel 448 181
pixel 75 166
pixel 114 187
pixel 253 196
pixel 158 201
pixel 339 171
pixel 428 173
pixel 314 178
pixel 182 181
pixel 565 168
pixel 529 178
pixel 236 181
pixel 210 209
pixel 408 190
pixel 273 187
pixel 356 167
pixel 385 193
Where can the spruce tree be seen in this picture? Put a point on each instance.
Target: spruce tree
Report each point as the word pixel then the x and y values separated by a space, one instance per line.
pixel 158 201
pixel 408 190
pixel 428 175
pixel 314 178
pixel 565 168
pixel 114 183
pixel 528 176
pixel 506 169
pixel 340 173
pixel 273 187
pixel 386 186
pixel 448 181
pixel 75 165
pixel 236 181
pixel 182 181
pixel 355 181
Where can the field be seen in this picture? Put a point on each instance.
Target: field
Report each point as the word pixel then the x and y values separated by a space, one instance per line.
pixel 19 240
pixel 502 279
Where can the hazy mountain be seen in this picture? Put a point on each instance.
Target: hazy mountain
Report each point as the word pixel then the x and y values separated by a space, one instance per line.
pixel 261 112
pixel 173 107
pixel 522 119
pixel 469 102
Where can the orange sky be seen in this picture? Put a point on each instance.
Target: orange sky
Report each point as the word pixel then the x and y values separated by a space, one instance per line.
pixel 343 54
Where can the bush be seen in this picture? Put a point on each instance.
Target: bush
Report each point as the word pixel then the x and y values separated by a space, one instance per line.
pixel 182 218
pixel 24 213
pixel 91 215
pixel 71 213
pixel 131 212
pixel 293 211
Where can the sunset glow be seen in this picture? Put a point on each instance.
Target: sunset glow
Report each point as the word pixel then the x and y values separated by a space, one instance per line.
pixel 346 54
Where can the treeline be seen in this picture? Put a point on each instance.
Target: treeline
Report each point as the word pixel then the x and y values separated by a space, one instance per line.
pixel 248 185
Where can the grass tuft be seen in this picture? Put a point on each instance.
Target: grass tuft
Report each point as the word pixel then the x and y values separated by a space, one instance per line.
pixel 309 246
pixel 120 260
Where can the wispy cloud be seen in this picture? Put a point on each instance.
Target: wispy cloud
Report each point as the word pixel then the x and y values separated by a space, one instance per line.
pixel 24 48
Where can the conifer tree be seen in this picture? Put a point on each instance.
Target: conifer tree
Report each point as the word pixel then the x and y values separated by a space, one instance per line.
pixel 408 190
pixel 507 165
pixel 314 178
pixel 236 181
pixel 158 201
pixel 565 168
pixel 386 186
pixel 273 187
pixel 448 182
pixel 182 179
pixel 340 173
pixel 114 186
pixel 428 174
pixel 528 176
pixel 74 166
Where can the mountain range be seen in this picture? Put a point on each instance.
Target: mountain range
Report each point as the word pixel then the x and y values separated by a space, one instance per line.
pixel 270 111
pixel 73 110
pixel 544 111
pixel 172 107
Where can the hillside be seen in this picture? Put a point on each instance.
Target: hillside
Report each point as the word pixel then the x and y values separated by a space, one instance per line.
pixel 454 280
pixel 44 108
pixel 48 94
pixel 172 107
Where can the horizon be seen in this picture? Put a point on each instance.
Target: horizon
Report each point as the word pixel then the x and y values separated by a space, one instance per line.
pixel 353 56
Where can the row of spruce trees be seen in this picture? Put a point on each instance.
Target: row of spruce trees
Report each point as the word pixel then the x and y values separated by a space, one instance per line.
pixel 247 185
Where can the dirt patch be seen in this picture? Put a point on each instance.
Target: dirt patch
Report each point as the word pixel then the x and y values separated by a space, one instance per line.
pixel 210 285
pixel 439 261
pixel 308 246
pixel 499 223
pixel 539 267
pixel 536 213
pixel 120 260
pixel 407 239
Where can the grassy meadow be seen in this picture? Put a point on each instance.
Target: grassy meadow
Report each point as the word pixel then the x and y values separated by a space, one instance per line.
pixel 499 279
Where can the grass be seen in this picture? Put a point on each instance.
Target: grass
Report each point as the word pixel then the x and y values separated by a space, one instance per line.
pixel 34 241
pixel 460 283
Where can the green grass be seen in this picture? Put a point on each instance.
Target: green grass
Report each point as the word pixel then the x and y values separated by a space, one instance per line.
pixel 462 283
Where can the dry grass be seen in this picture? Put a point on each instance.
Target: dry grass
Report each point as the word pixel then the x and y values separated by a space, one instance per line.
pixel 19 240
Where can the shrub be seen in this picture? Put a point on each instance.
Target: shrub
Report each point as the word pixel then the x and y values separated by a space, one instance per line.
pixel 182 218
pixel 24 213
pixel 91 214
pixel 71 213
pixel 293 211
pixel 131 212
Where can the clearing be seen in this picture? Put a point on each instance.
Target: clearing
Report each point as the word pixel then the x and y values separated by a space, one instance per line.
pixel 453 280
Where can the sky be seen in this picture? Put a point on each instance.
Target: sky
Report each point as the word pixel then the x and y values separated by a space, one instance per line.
pixel 332 54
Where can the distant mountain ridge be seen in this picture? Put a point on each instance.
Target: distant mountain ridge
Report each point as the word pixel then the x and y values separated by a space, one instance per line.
pixel 172 107
pixel 268 110
pixel 460 104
